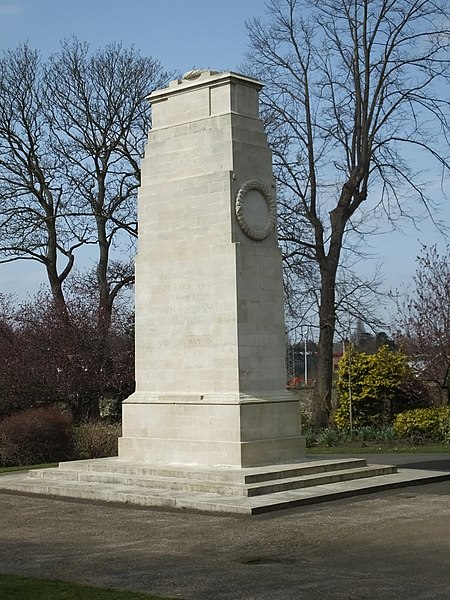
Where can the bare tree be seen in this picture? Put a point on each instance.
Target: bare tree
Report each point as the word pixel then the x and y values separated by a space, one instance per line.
pixel 356 94
pixel 100 120
pixel 72 131
pixel 33 199
pixel 425 319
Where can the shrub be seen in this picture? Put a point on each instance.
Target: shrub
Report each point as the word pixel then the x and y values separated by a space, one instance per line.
pixel 386 434
pixel 96 440
pixel 306 415
pixel 36 435
pixel 361 435
pixel 380 384
pixel 329 438
pixel 444 425
pixel 365 433
pixel 432 423
pixel 310 437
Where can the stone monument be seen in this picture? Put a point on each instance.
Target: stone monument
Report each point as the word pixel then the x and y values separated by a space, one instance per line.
pixel 210 426
pixel 210 338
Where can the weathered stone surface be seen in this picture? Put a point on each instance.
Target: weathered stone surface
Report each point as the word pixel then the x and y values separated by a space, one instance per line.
pixel 210 339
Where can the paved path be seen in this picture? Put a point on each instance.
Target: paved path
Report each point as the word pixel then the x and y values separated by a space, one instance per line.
pixel 390 545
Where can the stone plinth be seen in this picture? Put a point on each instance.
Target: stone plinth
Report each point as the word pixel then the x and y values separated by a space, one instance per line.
pixel 210 340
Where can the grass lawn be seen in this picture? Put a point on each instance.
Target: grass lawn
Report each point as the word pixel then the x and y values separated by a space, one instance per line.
pixel 26 467
pixel 379 448
pixel 21 588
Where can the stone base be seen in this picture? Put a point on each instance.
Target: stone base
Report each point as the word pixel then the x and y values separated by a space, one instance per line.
pixel 246 491
pixel 212 430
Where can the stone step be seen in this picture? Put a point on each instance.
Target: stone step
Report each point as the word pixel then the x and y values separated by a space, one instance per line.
pixel 294 483
pixel 304 469
pixel 148 482
pixel 207 502
pixel 229 474
pixel 226 488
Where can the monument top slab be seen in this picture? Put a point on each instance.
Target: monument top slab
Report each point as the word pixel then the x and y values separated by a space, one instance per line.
pixel 202 78
pixel 202 94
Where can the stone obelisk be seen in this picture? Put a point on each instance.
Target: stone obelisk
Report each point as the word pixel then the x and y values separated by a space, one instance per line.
pixel 210 339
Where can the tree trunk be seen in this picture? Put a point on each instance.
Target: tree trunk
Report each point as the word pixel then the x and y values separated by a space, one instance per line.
pixel 104 301
pixel 56 288
pixel 327 319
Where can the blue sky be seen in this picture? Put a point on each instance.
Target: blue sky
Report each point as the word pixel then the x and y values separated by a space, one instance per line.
pixel 182 34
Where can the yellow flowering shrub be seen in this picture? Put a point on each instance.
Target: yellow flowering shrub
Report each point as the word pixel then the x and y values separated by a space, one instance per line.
pixel 372 382
pixel 431 423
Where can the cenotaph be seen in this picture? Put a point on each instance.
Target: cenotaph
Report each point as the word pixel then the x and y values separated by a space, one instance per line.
pixel 210 426
pixel 210 338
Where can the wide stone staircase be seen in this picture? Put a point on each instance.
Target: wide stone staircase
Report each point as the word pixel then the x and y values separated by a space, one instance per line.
pixel 233 490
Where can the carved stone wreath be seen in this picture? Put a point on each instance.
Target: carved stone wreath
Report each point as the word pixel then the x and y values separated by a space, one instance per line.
pixel 251 232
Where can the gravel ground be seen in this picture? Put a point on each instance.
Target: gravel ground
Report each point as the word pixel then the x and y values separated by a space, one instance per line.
pixel 388 545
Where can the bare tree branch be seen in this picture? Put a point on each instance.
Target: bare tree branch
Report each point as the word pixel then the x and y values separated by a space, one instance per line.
pixel 351 87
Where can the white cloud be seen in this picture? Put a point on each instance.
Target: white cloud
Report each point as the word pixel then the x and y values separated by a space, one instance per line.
pixel 9 9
